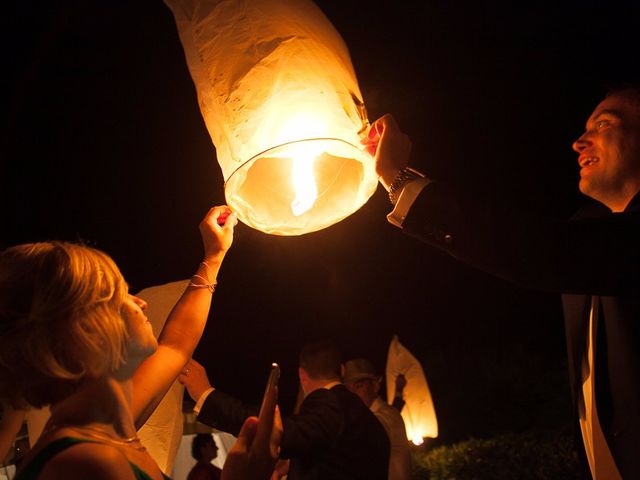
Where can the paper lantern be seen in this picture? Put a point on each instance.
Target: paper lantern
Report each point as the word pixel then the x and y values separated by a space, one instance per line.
pixel 418 412
pixel 162 432
pixel 281 102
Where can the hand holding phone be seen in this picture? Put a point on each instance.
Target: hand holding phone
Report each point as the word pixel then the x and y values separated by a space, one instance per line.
pixel 254 455
pixel 272 382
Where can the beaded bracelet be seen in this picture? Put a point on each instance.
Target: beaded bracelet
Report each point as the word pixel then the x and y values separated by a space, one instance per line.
pixel 209 286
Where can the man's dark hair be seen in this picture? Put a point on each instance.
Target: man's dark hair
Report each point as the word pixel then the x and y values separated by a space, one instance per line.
pixel 321 360
pixel 630 91
pixel 199 441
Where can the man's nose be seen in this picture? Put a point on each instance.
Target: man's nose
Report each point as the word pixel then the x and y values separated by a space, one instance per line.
pixel 581 143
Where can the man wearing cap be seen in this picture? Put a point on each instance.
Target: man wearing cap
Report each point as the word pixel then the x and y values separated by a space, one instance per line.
pixel 361 378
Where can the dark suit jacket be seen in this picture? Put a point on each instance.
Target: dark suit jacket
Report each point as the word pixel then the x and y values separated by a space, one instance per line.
pixel 334 436
pixel 595 255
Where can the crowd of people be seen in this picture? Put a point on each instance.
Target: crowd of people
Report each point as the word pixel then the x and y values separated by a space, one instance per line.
pixel 74 338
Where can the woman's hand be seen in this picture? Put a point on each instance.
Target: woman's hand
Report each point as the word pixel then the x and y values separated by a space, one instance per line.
pixel 216 229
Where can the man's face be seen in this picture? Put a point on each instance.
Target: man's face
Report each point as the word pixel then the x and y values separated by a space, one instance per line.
pixel 209 450
pixel 609 152
pixel 366 388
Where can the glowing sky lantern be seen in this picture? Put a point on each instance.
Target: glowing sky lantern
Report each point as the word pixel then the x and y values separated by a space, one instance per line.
pixel 418 412
pixel 280 99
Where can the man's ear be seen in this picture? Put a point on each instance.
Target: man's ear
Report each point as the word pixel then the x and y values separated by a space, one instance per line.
pixel 376 386
pixel 341 370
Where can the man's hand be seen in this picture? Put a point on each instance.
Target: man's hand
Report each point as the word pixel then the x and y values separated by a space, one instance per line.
pixel 254 455
pixel 390 147
pixel 194 377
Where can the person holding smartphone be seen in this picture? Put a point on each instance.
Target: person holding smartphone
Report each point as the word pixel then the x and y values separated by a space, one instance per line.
pixel 334 435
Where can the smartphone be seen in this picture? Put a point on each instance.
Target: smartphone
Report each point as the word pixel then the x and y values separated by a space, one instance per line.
pixel 274 378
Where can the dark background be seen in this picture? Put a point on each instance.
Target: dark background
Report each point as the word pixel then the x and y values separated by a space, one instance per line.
pixel 104 143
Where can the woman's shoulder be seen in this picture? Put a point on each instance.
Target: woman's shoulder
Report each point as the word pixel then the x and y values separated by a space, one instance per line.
pixel 73 458
pixel 97 461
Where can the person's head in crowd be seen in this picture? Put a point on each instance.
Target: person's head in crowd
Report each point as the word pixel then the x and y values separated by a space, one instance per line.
pixel 319 364
pixel 609 149
pixel 65 316
pixel 204 448
pixel 361 378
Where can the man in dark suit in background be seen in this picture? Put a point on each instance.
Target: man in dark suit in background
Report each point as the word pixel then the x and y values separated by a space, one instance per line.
pixel 593 260
pixel 333 436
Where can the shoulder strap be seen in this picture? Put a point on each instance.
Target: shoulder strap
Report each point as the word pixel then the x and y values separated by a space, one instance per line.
pixel 33 468
pixel 139 473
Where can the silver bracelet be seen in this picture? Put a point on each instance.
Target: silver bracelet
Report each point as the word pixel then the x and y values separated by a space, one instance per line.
pixel 209 286
pixel 405 175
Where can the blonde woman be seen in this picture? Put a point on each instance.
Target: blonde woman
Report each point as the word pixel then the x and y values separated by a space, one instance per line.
pixel 73 337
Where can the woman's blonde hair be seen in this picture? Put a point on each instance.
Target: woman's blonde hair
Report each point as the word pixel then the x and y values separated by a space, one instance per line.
pixel 60 320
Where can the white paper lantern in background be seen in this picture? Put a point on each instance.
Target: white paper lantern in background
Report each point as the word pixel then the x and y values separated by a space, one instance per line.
pixel 280 99
pixel 418 413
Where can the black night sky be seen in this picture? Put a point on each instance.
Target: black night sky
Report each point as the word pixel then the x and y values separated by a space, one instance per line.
pixel 104 143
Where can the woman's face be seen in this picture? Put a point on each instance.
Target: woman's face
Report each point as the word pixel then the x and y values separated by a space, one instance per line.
pixel 141 343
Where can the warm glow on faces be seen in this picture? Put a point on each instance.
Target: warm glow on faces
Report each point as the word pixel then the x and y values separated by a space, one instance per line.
pixel 141 342
pixel 609 153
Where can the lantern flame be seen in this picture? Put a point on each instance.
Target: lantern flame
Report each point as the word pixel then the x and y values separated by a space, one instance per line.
pixel 417 440
pixel 303 125
pixel 304 183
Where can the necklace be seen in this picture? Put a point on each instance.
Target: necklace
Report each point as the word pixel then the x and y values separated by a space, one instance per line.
pixel 97 433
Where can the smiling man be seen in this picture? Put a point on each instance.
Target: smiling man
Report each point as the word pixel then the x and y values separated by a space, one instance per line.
pixel 592 259
pixel 610 151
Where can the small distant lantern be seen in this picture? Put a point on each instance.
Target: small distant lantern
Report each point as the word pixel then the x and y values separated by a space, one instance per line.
pixel 418 413
pixel 280 99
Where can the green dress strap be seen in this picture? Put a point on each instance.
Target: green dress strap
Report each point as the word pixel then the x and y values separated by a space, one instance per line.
pixel 37 463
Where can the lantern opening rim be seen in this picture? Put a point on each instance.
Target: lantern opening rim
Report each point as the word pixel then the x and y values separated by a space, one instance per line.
pixel 262 153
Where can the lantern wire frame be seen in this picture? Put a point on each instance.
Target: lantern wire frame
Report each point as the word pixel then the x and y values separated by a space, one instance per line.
pixel 262 191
